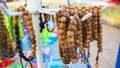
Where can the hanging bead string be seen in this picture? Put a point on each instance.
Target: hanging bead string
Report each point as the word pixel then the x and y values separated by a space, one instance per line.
pixel 99 40
pixel 5 44
pixel 95 23
pixel 17 36
pixel 32 35
pixel 1 39
pixel 74 34
pixel 30 28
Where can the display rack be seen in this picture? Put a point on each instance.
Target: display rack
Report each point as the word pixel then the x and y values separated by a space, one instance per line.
pixel 34 7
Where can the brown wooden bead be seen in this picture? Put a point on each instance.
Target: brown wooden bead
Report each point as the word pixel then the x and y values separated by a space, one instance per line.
pixel 63 19
pixel 61 37
pixel 33 50
pixel 33 41
pixel 30 57
pixel 30 28
pixel 29 23
pixel 8 43
pixel 32 36
pixel 62 26
pixel 21 8
pixel 33 46
pixel 60 31
pixel 72 28
pixel 15 17
pixel 15 22
pixel 70 33
pixel 26 12
pixel 32 32
pixel 73 22
pixel 61 42
pixel 96 65
pixel 100 49
pixel 27 18
pixel 70 40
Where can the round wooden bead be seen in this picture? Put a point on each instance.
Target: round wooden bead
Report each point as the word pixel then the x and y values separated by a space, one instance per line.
pixel 61 37
pixel 60 31
pixel 100 49
pixel 26 12
pixel 21 8
pixel 29 23
pixel 61 42
pixel 33 46
pixel 8 43
pixel 70 33
pixel 62 26
pixel 71 45
pixel 33 41
pixel 63 19
pixel 30 28
pixel 15 22
pixel 67 15
pixel 32 32
pixel 70 40
pixel 73 22
pixel 30 57
pixel 76 17
pixel 32 36
pixel 27 18
pixel 72 28
pixel 33 50
pixel 96 65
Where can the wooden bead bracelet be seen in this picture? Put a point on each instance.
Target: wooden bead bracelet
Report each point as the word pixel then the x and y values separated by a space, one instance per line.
pixel 30 28
pixel 6 49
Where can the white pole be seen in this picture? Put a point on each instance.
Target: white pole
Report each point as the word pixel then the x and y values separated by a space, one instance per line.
pixel 35 5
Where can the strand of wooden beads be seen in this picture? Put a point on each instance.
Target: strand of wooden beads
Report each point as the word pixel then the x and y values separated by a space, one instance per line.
pixel 61 36
pixel 71 40
pixel 1 54
pixel 68 45
pixel 32 35
pixel 99 40
pixel 84 36
pixel 5 39
pixel 17 36
pixel 10 52
pixel 88 30
pixel 1 39
pixel 76 17
pixel 94 23
pixel 91 21
pixel 99 30
pixel 80 36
